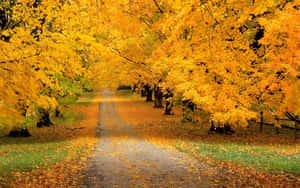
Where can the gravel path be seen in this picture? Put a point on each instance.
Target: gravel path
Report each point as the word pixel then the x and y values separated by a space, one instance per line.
pixel 123 159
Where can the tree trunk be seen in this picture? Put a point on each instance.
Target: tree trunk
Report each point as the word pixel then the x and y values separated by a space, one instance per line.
pixel 45 119
pixel 168 109
pixel 261 121
pixel 58 113
pixel 19 132
pixel 226 129
pixel 188 110
pixel 143 92
pixel 149 93
pixel 158 97
pixel 169 105
pixel 212 127
pixel 134 88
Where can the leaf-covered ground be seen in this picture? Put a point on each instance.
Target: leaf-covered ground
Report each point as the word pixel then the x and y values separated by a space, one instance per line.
pixel 136 145
pixel 54 156
pixel 124 159
pixel 239 160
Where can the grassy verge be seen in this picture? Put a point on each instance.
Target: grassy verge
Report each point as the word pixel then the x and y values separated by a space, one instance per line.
pixel 21 156
pixel 70 139
pixel 259 157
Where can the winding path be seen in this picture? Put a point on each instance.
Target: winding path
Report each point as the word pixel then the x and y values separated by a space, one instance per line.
pixel 123 159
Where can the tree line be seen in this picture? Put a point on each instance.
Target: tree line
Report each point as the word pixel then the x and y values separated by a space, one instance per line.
pixel 233 59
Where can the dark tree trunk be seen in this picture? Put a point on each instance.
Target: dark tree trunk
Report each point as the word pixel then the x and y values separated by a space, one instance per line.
pixel 58 113
pixel 168 109
pixel 228 129
pixel 19 132
pixel 221 130
pixel 169 105
pixel 149 93
pixel 261 121
pixel 45 119
pixel 158 97
pixel 134 88
pixel 124 87
pixel 212 127
pixel 188 110
pixel 143 92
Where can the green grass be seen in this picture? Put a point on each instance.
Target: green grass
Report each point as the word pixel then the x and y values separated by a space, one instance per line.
pixel 259 157
pixel 25 157
pixel 45 147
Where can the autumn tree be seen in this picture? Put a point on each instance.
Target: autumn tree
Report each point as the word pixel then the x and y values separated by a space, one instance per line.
pixel 49 51
pixel 231 59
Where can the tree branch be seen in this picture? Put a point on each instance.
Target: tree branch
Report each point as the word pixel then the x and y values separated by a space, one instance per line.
pixel 17 60
pixel 157 5
pixel 127 58
pixel 6 69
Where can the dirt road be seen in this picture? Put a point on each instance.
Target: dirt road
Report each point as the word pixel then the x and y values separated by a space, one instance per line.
pixel 123 159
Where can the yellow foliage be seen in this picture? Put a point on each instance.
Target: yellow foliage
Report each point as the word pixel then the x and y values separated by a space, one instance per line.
pixel 208 51
pixel 46 102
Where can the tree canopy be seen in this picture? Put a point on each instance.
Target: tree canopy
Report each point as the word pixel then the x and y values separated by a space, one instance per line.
pixel 231 58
